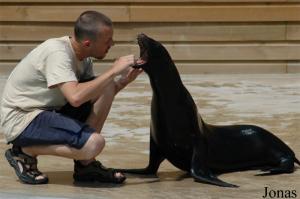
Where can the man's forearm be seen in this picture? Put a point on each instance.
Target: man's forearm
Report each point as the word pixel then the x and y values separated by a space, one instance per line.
pixel 79 93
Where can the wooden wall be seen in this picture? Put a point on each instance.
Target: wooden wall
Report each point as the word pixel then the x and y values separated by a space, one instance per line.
pixel 205 36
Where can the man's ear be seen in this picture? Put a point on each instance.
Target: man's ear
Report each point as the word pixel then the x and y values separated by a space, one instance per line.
pixel 86 43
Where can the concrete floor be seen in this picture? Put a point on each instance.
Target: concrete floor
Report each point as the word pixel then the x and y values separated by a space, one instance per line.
pixel 271 101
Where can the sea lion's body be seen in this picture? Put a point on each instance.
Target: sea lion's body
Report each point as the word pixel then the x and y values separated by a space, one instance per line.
pixel 178 133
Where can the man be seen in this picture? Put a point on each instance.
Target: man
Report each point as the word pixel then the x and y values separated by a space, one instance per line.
pixel 53 105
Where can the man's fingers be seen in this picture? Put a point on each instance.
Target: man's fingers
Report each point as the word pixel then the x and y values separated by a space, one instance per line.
pixel 123 63
pixel 135 62
pixel 129 57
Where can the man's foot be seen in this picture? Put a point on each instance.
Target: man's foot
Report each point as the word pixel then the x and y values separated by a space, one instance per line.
pixel 95 171
pixel 25 166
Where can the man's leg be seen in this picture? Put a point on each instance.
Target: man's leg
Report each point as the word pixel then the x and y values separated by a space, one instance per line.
pixel 25 163
pixel 101 107
pixel 94 145
pixel 89 151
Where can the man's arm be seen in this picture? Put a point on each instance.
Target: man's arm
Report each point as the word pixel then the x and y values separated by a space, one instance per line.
pixel 127 78
pixel 79 93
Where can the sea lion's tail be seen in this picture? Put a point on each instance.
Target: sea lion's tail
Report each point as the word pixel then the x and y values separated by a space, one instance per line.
pixel 296 160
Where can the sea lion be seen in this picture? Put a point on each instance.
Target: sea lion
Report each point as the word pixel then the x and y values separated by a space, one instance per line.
pixel 179 134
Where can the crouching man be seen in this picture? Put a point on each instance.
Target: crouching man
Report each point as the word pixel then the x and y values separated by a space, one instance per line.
pixel 53 104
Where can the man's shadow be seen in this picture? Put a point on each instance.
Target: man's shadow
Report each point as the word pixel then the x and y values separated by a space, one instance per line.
pixel 66 178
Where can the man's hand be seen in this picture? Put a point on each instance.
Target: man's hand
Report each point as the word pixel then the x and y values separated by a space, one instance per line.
pixel 127 77
pixel 122 64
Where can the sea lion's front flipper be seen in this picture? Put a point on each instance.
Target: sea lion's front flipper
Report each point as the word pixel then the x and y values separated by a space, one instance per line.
pixel 155 159
pixel 199 170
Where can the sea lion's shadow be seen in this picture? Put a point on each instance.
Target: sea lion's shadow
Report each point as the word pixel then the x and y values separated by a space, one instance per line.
pixel 65 178
pixel 173 175
pixel 162 176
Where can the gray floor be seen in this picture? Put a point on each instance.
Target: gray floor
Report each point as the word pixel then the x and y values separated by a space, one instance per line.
pixel 270 101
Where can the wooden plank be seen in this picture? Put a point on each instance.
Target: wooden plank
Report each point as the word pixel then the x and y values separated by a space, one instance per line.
pixel 293 32
pixel 194 68
pixel 233 13
pixel 18 51
pixel 217 68
pixel 39 32
pixel 6 68
pixel 55 13
pixel 147 1
pixel 177 32
pixel 246 51
pixel 43 31
pixel 293 67
pixel 231 68
pixel 163 13
pixel 199 32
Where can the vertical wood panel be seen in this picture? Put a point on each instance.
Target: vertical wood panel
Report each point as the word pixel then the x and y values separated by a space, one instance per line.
pixel 293 67
pixel 293 32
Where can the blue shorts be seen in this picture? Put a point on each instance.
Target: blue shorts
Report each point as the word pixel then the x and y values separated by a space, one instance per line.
pixel 63 127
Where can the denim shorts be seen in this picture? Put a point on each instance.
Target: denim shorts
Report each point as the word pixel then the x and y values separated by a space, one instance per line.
pixel 63 127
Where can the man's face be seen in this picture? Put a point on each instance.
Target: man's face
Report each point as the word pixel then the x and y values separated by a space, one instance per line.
pixel 103 43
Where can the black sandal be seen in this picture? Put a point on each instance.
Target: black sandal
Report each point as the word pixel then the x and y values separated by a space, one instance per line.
pixel 25 167
pixel 95 171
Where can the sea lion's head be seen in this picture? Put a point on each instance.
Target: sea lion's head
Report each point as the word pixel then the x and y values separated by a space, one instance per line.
pixel 153 54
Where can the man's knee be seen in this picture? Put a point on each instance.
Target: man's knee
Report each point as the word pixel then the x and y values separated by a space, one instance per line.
pixel 93 146
pixel 110 91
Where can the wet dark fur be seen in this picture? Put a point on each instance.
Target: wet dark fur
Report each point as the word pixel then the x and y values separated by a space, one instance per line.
pixel 179 134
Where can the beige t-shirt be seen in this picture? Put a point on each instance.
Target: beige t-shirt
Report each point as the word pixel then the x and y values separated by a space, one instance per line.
pixel 28 89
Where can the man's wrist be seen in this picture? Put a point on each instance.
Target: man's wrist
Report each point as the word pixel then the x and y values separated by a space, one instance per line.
pixel 119 85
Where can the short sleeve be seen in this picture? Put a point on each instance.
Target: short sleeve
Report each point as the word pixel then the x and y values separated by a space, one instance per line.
pixel 59 69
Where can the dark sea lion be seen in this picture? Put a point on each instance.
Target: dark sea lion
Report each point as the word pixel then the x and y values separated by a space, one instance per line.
pixel 178 133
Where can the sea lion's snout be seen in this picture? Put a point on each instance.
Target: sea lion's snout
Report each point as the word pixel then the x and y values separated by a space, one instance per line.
pixel 139 63
pixel 141 38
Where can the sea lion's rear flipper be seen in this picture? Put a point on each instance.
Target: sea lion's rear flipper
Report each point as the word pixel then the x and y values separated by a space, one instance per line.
pixel 285 165
pixel 199 170
pixel 155 159
pixel 296 161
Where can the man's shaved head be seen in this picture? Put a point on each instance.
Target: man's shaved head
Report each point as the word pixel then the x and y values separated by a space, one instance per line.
pixel 88 23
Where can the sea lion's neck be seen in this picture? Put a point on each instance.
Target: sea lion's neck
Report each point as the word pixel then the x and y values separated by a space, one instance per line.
pixel 166 83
